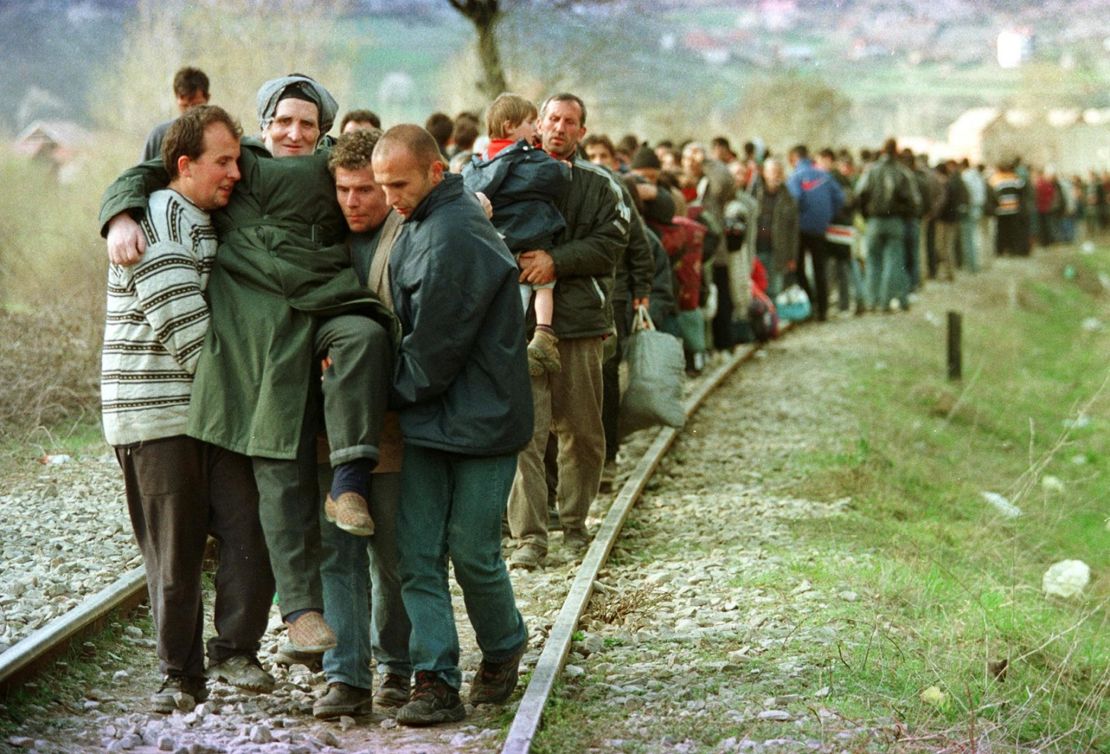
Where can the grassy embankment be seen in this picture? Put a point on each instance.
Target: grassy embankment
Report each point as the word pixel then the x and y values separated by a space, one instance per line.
pixel 52 292
pixel 949 590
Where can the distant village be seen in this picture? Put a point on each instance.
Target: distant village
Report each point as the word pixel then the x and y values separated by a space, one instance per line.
pixel 776 34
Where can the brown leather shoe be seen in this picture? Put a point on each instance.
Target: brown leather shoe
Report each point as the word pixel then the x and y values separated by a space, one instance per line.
pixel 309 633
pixel 350 513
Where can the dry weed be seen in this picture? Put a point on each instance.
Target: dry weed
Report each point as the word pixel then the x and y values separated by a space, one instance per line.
pixel 49 366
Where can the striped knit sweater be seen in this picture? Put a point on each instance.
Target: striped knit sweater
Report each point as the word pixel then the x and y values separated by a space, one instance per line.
pixel 156 321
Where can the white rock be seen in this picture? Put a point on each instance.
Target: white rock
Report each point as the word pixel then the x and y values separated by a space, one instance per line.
pixel 165 743
pixel 1066 578
pixel 574 671
pixel 848 596
pixel 1091 324
pixel 780 715
pixel 1052 483
pixel 260 734
pixel 1001 504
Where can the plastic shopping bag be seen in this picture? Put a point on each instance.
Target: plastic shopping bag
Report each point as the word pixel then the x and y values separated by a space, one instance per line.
pixel 656 370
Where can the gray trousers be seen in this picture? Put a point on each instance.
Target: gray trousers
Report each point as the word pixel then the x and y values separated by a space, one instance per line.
pixel 568 403
pixel 180 490
pixel 355 392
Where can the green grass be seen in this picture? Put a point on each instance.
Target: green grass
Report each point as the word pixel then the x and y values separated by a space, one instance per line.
pixel 62 687
pixel 959 584
pixel 946 589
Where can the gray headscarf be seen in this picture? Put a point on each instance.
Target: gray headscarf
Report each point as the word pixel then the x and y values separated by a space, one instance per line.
pixel 274 90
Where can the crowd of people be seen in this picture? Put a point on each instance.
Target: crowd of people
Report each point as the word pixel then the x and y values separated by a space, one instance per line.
pixel 353 361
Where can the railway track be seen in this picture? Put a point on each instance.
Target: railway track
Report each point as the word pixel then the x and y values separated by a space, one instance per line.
pixel 36 652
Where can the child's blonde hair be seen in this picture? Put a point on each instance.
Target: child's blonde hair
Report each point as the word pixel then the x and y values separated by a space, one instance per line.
pixel 508 108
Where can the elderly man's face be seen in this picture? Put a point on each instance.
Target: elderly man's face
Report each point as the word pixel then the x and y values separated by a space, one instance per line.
pixel 361 198
pixel 405 181
pixel 294 130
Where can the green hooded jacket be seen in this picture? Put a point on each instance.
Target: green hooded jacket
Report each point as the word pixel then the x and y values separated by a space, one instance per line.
pixel 282 265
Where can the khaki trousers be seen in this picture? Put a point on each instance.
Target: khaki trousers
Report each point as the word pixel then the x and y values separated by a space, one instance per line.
pixel 568 404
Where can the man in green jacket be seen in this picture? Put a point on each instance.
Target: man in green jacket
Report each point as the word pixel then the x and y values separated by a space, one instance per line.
pixel 283 297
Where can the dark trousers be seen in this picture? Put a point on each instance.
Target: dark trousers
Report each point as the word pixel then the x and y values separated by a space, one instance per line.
pixel 180 490
pixel 724 335
pixel 611 385
pixel 817 248
pixel 355 393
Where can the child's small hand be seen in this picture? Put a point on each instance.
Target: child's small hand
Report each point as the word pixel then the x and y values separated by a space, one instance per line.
pixel 487 207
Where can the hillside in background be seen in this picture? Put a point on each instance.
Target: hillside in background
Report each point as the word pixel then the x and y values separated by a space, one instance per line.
pixel 680 68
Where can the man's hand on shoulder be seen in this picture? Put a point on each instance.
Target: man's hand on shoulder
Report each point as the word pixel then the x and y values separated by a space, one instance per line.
pixel 126 242
pixel 536 267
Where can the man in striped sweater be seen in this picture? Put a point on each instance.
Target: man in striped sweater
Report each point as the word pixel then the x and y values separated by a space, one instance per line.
pixel 179 489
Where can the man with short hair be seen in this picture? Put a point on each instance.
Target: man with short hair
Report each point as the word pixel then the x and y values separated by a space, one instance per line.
pixel 180 490
pixel 377 628
pixel 441 126
pixel 632 285
pixel 190 88
pixel 283 297
pixel 461 386
pixel 888 195
pixel 569 402
pixel 359 119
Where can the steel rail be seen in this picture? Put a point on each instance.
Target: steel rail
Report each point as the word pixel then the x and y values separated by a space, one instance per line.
pixel 550 663
pixel 25 656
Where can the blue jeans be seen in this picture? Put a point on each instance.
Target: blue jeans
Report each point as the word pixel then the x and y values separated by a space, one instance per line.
pixel 969 239
pixel 362 592
pixel 913 252
pixel 453 508
pixel 886 255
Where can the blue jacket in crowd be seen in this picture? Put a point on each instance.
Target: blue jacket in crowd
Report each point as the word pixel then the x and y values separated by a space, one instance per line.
pixel 819 197
pixel 523 184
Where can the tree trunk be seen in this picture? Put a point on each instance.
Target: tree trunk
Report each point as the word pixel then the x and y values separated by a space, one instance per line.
pixel 485 15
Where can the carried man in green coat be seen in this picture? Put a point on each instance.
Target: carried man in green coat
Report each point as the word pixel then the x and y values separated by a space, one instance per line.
pixel 283 297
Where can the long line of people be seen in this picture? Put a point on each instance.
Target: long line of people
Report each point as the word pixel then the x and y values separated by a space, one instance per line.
pixel 343 337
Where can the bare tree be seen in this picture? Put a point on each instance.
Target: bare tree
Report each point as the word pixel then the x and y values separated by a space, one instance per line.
pixel 485 15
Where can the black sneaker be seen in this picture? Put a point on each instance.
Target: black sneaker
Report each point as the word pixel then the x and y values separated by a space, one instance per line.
pixel 178 692
pixel 433 701
pixel 495 682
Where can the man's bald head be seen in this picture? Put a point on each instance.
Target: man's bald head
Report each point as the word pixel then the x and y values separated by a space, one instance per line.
pixel 412 139
pixel 407 165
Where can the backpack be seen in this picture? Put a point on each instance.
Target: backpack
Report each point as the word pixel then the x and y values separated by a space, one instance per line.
pixel 683 240
pixel 889 191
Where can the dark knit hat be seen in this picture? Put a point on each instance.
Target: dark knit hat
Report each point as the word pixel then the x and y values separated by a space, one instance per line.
pixel 645 158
